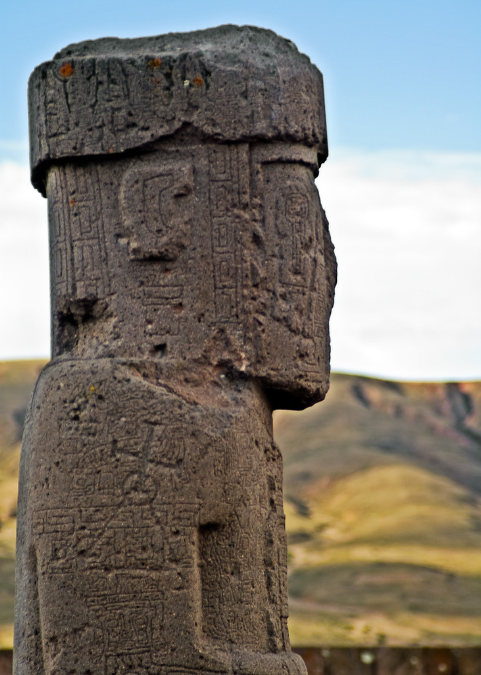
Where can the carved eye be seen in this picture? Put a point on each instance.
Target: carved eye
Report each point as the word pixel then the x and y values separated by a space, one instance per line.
pixel 157 210
pixel 297 206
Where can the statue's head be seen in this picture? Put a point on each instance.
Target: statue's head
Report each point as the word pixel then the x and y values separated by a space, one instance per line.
pixel 185 223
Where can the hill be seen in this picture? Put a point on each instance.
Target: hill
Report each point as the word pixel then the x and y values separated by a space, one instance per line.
pixel 17 379
pixel 383 507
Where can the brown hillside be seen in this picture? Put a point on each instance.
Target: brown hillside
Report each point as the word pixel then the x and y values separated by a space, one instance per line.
pixel 367 422
pixel 17 379
pixel 383 505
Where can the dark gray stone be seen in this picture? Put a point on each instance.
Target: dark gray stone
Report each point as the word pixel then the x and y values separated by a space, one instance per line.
pixel 192 282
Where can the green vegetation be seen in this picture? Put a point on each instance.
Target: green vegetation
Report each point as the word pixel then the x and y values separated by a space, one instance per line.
pixel 383 507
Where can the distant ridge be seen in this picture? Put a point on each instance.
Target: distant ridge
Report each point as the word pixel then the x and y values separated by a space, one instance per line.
pixel 383 507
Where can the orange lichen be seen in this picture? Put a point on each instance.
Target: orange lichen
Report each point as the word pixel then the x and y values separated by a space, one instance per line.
pixel 72 202
pixel 198 81
pixel 66 70
pixel 154 63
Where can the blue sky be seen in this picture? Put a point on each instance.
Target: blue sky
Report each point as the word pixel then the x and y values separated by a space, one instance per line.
pixel 398 73
pixel 401 186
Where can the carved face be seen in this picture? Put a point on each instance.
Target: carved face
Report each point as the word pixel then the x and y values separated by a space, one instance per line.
pixel 197 253
pixel 298 270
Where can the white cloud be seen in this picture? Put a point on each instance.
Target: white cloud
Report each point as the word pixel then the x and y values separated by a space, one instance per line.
pixel 407 230
pixel 24 294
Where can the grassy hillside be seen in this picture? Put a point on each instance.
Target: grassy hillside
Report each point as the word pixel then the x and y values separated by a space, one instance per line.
pixel 17 379
pixel 383 506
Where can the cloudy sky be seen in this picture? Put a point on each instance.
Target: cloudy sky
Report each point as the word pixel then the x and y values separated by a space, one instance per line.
pixel 402 185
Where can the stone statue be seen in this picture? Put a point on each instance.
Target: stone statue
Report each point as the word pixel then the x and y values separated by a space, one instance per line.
pixel 192 281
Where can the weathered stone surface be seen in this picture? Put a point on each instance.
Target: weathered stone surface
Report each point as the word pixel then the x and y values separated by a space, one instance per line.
pixel 192 282
pixel 228 83
pixel 369 661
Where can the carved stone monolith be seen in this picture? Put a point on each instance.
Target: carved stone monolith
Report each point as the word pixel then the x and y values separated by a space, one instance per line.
pixel 192 279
